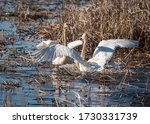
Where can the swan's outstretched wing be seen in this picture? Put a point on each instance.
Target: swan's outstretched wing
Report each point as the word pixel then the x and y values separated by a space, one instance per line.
pixel 75 44
pixel 51 52
pixel 45 44
pixel 106 48
pixel 112 44
pixel 125 43
pixel 51 42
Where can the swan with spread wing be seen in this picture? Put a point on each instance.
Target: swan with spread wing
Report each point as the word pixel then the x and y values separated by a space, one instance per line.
pixel 59 60
pixel 100 58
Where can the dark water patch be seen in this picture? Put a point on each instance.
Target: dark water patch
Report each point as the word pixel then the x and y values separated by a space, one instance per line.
pixel 8 28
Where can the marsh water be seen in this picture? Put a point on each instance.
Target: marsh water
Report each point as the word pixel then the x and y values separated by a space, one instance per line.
pixel 23 83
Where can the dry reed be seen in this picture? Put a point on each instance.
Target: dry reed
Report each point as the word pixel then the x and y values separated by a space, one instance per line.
pixel 104 19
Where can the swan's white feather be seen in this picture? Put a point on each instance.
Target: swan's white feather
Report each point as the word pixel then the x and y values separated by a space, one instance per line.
pixel 45 44
pixel 112 44
pixel 50 53
pixel 59 59
pixel 105 49
pixel 75 44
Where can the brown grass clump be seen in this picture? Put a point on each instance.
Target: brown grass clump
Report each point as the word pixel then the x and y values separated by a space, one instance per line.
pixel 110 19
pixel 105 19
pixel 27 11
pixel 50 30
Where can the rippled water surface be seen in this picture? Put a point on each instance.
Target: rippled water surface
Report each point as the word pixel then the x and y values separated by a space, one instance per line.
pixel 23 83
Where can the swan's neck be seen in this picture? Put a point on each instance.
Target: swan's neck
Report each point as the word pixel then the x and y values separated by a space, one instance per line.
pixel 65 34
pixel 83 52
pixel 86 67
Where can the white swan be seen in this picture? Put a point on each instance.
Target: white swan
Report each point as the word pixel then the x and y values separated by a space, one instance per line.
pixel 104 51
pixel 101 55
pixel 60 59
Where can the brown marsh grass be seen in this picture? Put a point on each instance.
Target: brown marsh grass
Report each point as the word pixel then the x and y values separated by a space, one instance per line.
pixel 104 19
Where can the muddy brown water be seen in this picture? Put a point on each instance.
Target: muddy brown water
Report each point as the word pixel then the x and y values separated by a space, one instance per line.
pixel 23 83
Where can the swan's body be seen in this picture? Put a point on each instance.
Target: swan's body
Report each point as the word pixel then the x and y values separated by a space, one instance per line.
pixel 101 55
